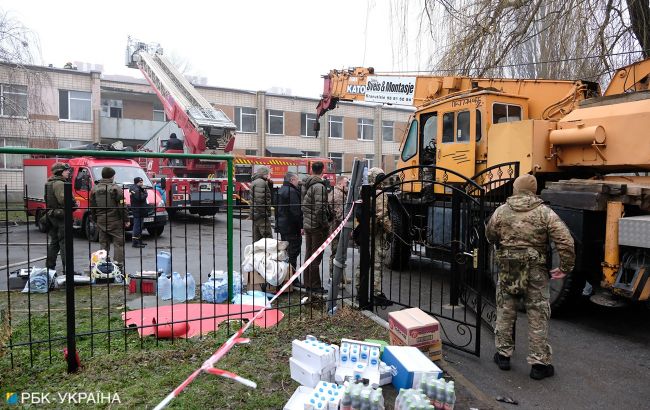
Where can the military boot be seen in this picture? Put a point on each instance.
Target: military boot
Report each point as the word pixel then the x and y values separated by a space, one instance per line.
pixel 541 371
pixel 137 243
pixel 503 362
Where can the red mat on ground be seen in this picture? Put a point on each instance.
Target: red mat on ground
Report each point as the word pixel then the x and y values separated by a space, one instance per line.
pixel 202 318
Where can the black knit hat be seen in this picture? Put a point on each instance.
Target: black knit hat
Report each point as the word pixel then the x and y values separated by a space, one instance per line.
pixel 137 179
pixel 108 172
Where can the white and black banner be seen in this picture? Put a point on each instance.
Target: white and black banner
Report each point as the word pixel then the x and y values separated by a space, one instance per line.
pixel 390 90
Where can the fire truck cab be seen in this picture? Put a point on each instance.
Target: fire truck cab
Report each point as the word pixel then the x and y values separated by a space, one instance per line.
pixel 86 172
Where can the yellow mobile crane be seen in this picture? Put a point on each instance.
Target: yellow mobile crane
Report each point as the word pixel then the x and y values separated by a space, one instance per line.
pixel 591 151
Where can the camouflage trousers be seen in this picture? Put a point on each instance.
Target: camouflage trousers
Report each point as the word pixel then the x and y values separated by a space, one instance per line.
pixel 262 229
pixel 538 309
pixel 378 265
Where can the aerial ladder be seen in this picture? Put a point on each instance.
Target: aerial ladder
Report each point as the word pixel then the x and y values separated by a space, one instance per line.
pixel 589 150
pixel 189 183
pixel 206 130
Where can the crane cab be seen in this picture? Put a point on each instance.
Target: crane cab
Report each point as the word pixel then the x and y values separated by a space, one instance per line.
pixel 457 133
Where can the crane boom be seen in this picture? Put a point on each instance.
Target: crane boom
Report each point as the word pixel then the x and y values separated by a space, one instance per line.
pixel 548 99
pixel 206 129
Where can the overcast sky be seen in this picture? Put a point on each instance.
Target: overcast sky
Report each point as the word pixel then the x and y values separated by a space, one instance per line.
pixel 253 45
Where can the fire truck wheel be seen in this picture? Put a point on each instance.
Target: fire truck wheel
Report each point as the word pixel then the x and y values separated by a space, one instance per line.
pixel 156 231
pixel 39 226
pixel 90 229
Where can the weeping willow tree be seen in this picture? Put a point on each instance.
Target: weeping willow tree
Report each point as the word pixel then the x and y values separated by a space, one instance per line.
pixel 24 87
pixel 585 39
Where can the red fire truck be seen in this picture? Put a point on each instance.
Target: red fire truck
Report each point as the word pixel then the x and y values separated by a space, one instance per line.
pixel 206 130
pixel 85 172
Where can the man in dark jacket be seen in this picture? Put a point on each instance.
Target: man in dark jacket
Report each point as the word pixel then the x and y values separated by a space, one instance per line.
pixel 288 222
pixel 261 204
pixel 54 202
pixel 174 143
pixel 109 213
pixel 139 210
pixel 316 222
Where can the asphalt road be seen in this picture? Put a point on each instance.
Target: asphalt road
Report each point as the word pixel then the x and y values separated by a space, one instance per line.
pixel 601 356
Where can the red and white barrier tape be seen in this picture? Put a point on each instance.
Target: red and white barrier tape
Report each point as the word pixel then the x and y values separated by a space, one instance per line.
pixel 208 365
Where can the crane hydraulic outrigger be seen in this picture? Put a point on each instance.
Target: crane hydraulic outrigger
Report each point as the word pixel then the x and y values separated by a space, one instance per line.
pixel 572 137
pixel 206 130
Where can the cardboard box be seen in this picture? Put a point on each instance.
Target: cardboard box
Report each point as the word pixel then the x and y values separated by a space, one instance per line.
pixel 299 398
pixel 411 365
pixel 414 327
pixel 254 281
pixel 432 350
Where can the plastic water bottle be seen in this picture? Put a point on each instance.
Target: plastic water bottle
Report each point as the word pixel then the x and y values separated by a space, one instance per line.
pixel 346 401
pixel 439 401
pixel 178 287
pixel 191 286
pixel 164 285
pixel 164 262
pixel 450 399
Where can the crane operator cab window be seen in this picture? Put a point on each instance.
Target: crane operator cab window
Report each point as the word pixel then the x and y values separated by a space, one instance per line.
pixel 456 124
pixel 411 143
pixel 505 113
pixel 429 134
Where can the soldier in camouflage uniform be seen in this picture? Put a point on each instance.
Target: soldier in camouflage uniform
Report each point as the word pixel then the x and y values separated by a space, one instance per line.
pixel 521 228
pixel 109 213
pixel 54 201
pixel 337 204
pixel 382 228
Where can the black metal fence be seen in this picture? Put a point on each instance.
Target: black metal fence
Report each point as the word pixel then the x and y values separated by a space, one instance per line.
pixel 124 302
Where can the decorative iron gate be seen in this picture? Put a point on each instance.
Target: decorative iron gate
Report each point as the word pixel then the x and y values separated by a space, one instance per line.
pixel 432 252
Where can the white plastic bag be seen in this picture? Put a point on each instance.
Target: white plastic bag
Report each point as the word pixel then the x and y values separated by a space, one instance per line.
pixel 40 280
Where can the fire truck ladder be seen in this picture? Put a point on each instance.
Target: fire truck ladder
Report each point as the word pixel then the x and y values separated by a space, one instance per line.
pixel 169 82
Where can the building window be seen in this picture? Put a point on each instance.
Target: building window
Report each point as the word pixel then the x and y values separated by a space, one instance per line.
pixel 159 112
pixel 71 143
pixel 365 129
pixel 111 108
pixel 307 122
pixel 311 154
pixel 275 122
pixel 335 123
pixel 388 131
pixel 251 152
pixel 13 100
pixel 75 105
pixel 370 160
pixel 337 161
pixel 246 119
pixel 12 161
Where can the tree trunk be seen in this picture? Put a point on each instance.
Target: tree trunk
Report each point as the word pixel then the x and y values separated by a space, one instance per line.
pixel 640 20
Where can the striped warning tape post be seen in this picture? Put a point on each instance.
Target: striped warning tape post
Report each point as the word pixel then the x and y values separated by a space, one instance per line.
pixel 235 339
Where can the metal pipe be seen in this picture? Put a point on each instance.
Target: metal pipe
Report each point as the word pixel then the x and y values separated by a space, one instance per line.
pixel 69 279
pixel 229 227
pixel 110 154
pixel 612 260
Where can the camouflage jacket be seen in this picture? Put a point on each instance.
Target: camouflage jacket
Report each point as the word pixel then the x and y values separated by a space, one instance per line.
pixel 525 222
pixel 107 202
pixel 383 216
pixel 337 203
pixel 54 198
